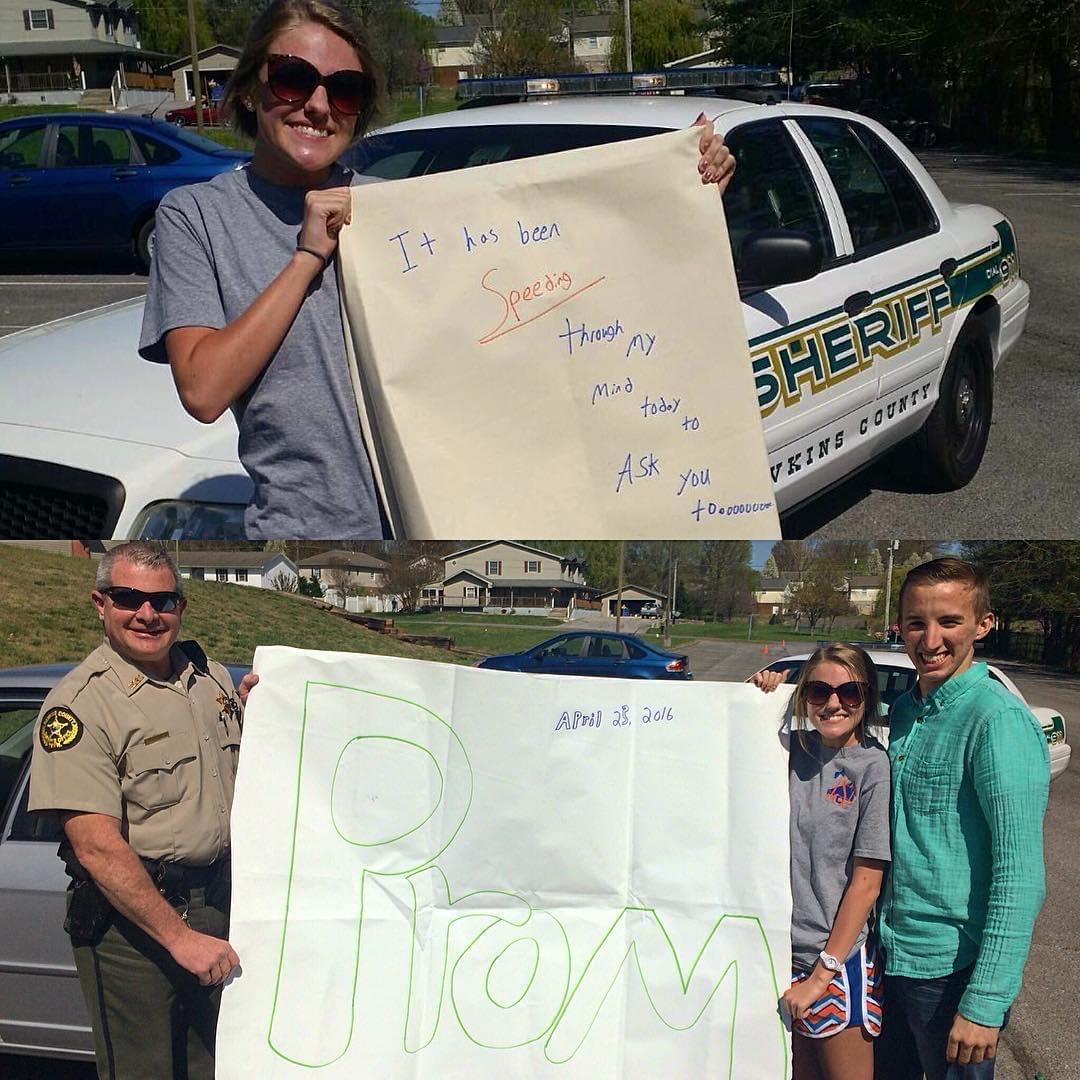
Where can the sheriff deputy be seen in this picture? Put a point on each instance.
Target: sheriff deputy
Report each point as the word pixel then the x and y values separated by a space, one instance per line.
pixel 135 751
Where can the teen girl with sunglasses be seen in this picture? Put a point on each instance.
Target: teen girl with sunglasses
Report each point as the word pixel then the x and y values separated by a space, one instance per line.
pixel 243 299
pixel 839 788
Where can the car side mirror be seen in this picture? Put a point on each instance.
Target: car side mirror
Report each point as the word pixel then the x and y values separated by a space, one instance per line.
pixel 771 257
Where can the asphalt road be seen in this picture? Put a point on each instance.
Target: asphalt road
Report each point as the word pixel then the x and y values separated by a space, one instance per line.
pixel 1043 1036
pixel 1026 486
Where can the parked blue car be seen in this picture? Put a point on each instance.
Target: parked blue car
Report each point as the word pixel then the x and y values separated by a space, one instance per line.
pixel 595 652
pixel 92 181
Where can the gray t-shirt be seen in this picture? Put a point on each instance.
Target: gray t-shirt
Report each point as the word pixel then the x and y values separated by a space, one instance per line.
pixel 218 245
pixel 839 811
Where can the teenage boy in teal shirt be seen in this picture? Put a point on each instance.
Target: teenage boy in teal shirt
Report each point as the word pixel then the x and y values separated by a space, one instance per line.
pixel 970 779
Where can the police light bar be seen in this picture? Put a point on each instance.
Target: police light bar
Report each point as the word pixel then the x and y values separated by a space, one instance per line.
pixel 670 81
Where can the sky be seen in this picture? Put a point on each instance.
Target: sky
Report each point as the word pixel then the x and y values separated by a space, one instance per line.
pixel 759 552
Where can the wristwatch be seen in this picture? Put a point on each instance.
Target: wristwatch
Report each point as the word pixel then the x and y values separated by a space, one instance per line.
pixel 830 963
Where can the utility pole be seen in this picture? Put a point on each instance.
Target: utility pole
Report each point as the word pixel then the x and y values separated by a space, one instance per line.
pixel 893 545
pixel 619 587
pixel 671 601
pixel 629 53
pixel 196 82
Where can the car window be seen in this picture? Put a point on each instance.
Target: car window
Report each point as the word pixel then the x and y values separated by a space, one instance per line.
pixel 20 148
pixel 916 214
pixel 566 646
pixel 80 145
pixel 16 732
pixel 875 212
pixel 636 651
pixel 398 154
pixel 154 151
pixel 772 188
pixel 605 648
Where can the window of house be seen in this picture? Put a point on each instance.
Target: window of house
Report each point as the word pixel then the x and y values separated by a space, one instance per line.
pixel 493 566
pixel 38 19
pixel 198 573
pixel 241 575
pixel 589 41
pixel 470 592
pixel 316 573
pixel 532 566
pixel 221 575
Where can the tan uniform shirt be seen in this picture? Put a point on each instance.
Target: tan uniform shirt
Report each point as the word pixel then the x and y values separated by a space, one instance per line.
pixel 159 756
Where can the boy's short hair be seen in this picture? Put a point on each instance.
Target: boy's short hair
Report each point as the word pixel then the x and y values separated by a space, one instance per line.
pixel 949 569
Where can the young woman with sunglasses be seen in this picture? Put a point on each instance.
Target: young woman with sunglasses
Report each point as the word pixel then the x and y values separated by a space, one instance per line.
pixel 839 788
pixel 243 299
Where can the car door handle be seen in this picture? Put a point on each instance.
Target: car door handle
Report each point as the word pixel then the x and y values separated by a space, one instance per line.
pixel 948 268
pixel 124 174
pixel 857 302
pixel 18 181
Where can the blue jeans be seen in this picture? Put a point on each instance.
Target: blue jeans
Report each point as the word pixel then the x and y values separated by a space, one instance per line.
pixel 918 1017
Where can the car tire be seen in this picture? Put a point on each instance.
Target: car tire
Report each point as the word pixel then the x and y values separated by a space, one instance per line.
pixel 144 244
pixel 180 122
pixel 951 443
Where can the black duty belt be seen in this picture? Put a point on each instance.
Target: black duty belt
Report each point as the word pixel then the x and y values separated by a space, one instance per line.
pixel 174 877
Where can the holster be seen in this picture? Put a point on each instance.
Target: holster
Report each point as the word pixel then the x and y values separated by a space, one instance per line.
pixel 89 914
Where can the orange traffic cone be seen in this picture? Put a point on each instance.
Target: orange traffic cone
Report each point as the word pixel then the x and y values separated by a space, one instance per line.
pixel 783 644
pixel 764 650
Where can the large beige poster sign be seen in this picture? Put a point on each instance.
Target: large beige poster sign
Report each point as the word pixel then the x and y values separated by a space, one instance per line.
pixel 556 340
pixel 443 872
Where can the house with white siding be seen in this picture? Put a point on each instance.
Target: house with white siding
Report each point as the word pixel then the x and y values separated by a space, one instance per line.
pixel 260 569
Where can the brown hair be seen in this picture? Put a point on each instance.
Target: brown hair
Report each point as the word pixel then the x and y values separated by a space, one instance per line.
pixel 949 569
pixel 284 15
pixel 861 668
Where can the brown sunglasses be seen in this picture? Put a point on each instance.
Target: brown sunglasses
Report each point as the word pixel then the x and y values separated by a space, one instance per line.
pixel 293 80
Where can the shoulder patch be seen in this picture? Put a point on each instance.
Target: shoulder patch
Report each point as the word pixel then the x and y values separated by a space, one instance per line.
pixel 60 729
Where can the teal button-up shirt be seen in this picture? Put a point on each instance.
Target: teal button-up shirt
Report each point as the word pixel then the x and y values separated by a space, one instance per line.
pixel 970 781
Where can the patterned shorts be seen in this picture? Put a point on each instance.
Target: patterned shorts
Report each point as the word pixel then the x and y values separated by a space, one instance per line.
pixel 853 998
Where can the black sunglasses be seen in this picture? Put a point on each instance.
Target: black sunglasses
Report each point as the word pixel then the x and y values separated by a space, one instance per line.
pixel 132 599
pixel 851 694
pixel 292 79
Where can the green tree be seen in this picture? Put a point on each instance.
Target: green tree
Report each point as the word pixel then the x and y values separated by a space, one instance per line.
pixel 1037 580
pixel 526 42
pixel 660 31
pixel 163 26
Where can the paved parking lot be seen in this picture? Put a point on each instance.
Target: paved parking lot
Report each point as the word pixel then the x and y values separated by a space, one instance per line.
pixel 1026 486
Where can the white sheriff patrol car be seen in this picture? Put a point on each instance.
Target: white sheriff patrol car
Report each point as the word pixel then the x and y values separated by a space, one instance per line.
pixel 875 309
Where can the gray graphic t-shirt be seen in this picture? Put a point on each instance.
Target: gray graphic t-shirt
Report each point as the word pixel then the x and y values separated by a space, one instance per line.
pixel 839 811
pixel 217 247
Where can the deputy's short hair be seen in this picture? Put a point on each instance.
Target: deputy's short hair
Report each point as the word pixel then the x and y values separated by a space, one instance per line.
pixel 950 569
pixel 137 553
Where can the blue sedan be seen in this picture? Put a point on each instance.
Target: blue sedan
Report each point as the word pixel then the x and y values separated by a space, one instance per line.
pixel 595 652
pixel 92 181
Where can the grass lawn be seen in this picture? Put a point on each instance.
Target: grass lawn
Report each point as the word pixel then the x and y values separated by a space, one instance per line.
pixel 9 112
pixel 486 634
pixel 46 615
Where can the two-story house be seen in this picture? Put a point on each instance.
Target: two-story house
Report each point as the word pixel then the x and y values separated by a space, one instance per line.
pixel 502 575
pixel 53 51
